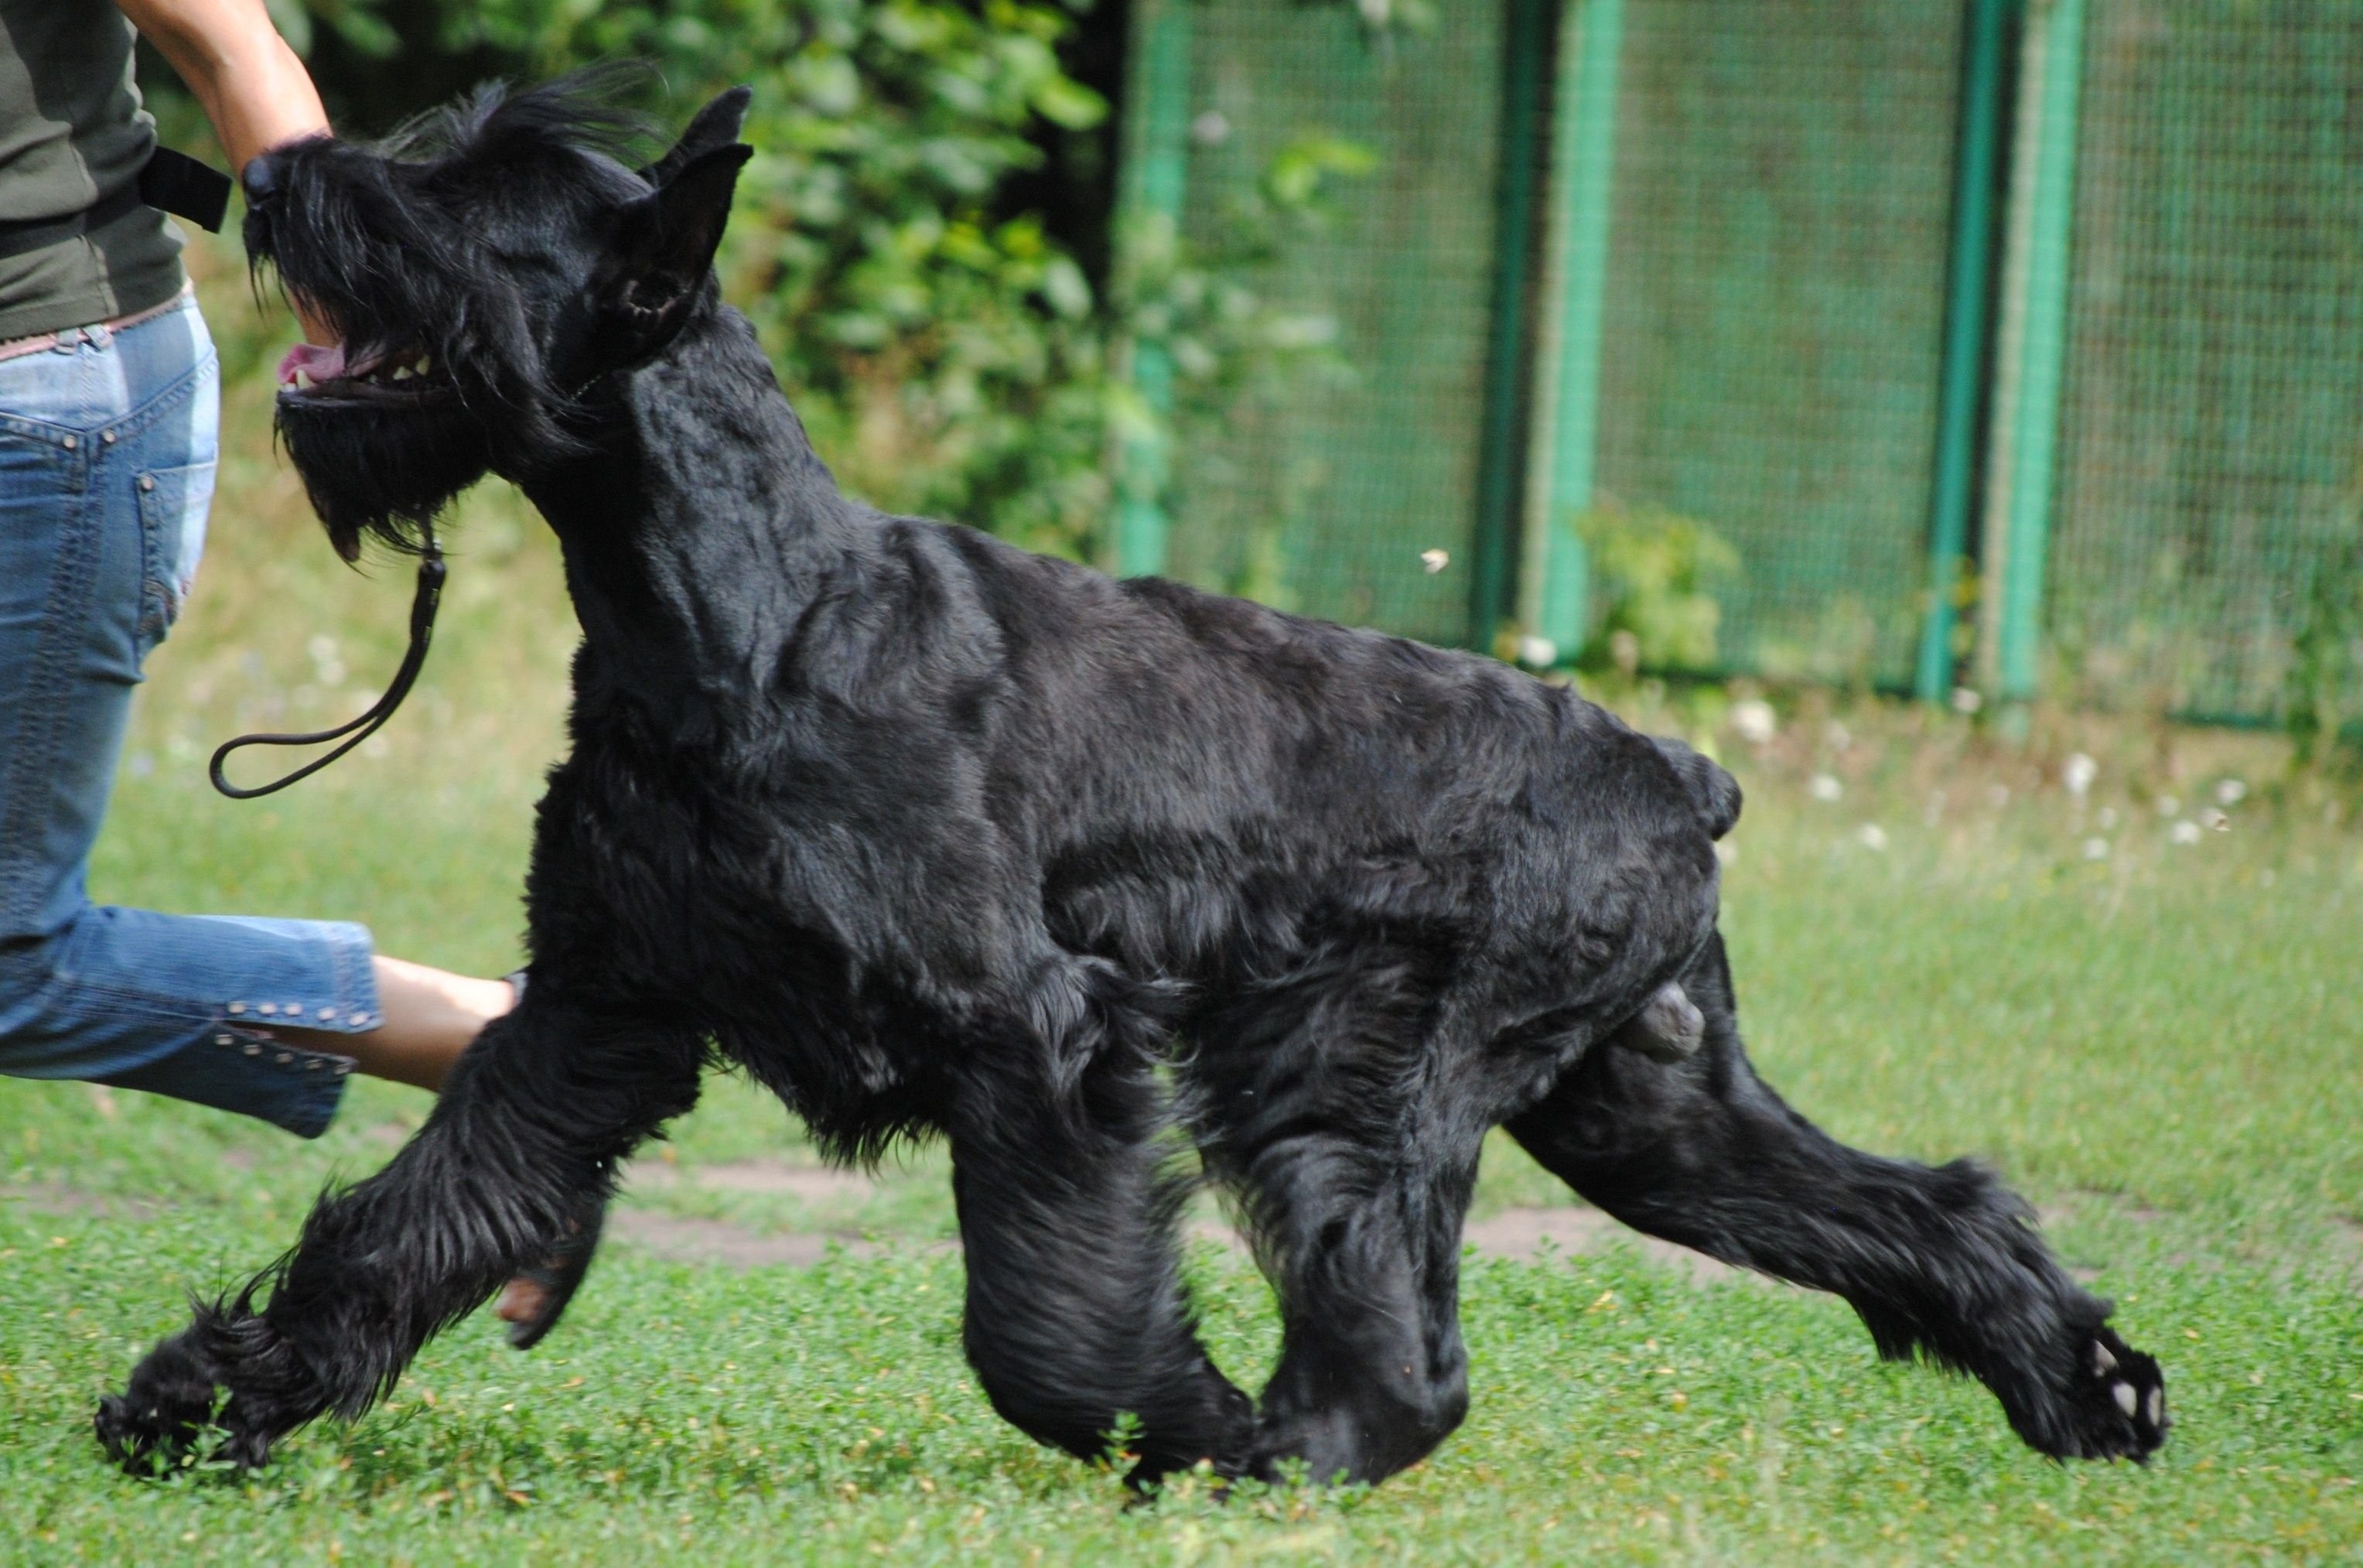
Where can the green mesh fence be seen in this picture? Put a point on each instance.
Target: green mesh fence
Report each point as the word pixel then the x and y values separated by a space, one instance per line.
pixel 1324 499
pixel 1773 322
pixel 2213 415
pixel 1774 309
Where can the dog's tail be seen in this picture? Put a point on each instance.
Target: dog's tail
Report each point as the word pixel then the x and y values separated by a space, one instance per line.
pixel 1715 793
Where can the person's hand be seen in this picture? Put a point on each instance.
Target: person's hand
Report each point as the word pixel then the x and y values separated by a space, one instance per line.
pixel 251 86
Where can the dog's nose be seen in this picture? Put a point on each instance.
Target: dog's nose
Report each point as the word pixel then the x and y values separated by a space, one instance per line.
pixel 262 179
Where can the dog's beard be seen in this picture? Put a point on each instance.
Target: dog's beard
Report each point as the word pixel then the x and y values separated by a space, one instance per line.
pixel 380 471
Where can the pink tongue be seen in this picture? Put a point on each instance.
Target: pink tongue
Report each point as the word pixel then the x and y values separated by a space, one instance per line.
pixel 311 359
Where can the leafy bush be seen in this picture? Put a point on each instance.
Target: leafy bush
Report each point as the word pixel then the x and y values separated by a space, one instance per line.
pixel 951 352
pixel 1656 574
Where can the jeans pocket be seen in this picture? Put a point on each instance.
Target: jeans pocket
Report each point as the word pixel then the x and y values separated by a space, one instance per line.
pixel 173 507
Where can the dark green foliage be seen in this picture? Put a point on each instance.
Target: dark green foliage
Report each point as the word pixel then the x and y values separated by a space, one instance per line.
pixel 926 242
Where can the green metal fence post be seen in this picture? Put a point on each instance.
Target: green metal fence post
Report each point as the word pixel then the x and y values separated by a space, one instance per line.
pixel 1525 40
pixel 1962 386
pixel 2043 351
pixel 1153 180
pixel 1583 182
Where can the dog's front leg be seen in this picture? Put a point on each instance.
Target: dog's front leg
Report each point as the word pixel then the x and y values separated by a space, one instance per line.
pixel 1076 1312
pixel 522 1144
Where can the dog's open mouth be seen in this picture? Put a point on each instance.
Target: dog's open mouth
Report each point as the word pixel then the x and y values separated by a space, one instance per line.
pixel 320 376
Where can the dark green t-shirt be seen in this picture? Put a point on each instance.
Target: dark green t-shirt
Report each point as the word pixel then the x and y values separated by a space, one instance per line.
pixel 73 134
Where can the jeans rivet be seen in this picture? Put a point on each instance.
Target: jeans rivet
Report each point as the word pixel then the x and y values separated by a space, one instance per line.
pixel 285 1057
pixel 313 1065
pixel 71 443
pixel 107 435
pixel 237 1007
pixel 252 1048
pixel 225 1040
pixel 147 481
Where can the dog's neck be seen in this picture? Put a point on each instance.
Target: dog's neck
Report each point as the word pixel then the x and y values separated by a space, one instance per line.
pixel 697 529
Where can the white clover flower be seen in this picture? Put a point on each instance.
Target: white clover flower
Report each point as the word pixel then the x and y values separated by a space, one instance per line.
pixel 2214 821
pixel 2231 792
pixel 1824 787
pixel 1538 653
pixel 2079 774
pixel 1966 699
pixel 2185 833
pixel 2096 849
pixel 1756 721
pixel 2168 806
pixel 1872 834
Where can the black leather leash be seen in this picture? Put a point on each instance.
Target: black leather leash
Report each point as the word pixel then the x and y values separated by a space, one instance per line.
pixel 423 604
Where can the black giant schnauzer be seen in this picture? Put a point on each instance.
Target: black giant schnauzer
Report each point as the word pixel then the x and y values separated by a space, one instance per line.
pixel 931 836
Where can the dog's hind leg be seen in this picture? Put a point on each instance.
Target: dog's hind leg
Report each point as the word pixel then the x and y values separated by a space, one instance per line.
pixel 1076 1311
pixel 1365 1254
pixel 526 1136
pixel 1354 1168
pixel 1942 1262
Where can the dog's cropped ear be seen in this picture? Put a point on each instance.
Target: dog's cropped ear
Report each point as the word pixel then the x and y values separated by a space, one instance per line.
pixel 1713 793
pixel 665 244
pixel 714 126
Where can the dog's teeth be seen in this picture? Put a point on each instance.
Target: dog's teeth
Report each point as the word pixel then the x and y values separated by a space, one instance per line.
pixel 2158 1406
pixel 2127 1400
pixel 2103 1362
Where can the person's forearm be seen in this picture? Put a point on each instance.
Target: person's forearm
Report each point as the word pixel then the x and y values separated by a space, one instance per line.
pixel 251 86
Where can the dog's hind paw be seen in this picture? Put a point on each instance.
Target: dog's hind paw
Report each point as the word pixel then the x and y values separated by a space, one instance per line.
pixel 158 1416
pixel 2118 1405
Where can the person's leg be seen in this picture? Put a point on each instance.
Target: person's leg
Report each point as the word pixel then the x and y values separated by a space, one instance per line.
pixel 430 1016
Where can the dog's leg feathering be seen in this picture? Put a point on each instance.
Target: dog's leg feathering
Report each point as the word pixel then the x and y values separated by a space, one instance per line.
pixel 526 1136
pixel 1355 1168
pixel 1076 1310
pixel 1938 1262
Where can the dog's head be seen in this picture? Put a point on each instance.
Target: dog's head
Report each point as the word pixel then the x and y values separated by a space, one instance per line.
pixel 486 270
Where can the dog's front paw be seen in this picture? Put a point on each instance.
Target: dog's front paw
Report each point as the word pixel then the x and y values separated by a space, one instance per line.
pixel 158 1414
pixel 2123 1411
pixel 2113 1407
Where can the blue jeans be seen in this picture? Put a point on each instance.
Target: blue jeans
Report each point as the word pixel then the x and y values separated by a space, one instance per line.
pixel 106 467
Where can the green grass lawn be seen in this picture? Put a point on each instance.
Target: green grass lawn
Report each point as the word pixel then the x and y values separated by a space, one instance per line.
pixel 2161 1042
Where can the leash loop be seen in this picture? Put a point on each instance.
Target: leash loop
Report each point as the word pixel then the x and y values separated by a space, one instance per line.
pixel 423 605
